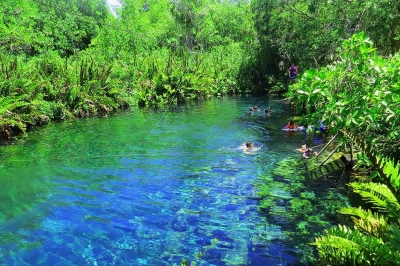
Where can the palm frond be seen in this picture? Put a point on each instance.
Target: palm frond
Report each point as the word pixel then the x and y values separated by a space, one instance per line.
pixel 344 246
pixel 8 104
pixel 367 221
pixel 392 170
pixel 379 195
pixel 394 239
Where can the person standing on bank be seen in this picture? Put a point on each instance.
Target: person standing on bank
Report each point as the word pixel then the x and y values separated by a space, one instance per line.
pixel 292 72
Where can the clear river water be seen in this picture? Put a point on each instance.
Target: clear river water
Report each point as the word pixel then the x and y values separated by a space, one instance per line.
pixel 157 186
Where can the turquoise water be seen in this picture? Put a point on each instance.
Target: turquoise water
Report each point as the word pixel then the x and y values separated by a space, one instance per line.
pixel 153 187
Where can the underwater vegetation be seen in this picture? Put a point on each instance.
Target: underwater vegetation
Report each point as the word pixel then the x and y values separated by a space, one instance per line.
pixel 303 204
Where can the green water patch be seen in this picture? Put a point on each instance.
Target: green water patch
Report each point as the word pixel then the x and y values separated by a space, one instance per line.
pixel 290 169
pixel 9 238
pixel 22 189
pixel 304 206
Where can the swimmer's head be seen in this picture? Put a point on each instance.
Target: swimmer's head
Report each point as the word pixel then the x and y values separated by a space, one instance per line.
pixel 249 144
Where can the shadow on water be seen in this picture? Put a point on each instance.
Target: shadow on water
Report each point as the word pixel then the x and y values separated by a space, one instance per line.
pixel 154 187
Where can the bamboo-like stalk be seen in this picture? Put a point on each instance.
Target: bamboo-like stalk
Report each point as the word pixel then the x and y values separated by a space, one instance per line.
pixel 324 148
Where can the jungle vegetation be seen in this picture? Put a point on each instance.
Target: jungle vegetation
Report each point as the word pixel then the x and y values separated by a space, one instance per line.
pixel 358 96
pixel 74 59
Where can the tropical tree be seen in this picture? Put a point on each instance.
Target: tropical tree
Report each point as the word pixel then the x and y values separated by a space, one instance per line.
pixel 17 36
pixel 308 32
pixel 68 26
pixel 357 96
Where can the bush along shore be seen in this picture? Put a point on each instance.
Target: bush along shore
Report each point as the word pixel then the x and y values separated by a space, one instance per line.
pixel 75 59
pixel 39 90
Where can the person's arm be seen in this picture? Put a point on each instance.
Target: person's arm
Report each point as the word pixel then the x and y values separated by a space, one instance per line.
pixel 305 155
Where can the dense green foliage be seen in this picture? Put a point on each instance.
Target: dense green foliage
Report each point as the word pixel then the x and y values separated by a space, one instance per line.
pixel 75 59
pixel 358 93
pixel 358 96
pixel 158 52
pixel 308 32
pixel 33 27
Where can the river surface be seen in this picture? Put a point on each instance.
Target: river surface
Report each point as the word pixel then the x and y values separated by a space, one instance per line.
pixel 154 187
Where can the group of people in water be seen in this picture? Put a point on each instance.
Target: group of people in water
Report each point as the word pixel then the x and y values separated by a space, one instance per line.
pixel 255 108
pixel 249 147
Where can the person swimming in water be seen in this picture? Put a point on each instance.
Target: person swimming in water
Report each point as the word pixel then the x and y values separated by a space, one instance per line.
pixel 307 151
pixel 249 147
pixel 291 125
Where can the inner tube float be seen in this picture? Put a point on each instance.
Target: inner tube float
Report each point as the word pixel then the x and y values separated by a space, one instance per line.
pixel 293 129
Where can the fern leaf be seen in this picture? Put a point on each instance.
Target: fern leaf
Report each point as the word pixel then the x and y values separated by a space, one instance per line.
pixel 371 223
pixel 379 195
pixel 394 239
pixel 344 246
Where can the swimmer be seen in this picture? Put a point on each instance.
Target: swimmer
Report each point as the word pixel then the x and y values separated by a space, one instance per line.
pixel 291 125
pixel 249 147
pixel 307 151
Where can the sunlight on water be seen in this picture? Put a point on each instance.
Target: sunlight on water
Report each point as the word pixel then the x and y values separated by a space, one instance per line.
pixel 149 187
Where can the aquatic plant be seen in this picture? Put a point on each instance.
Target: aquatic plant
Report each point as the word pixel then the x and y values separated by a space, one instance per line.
pixel 199 254
pixel 294 201
pixel 374 231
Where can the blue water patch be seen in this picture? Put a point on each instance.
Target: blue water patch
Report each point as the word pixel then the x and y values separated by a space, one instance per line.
pixel 152 188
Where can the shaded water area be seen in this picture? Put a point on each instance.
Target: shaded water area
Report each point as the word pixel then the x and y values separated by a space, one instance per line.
pixel 155 187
